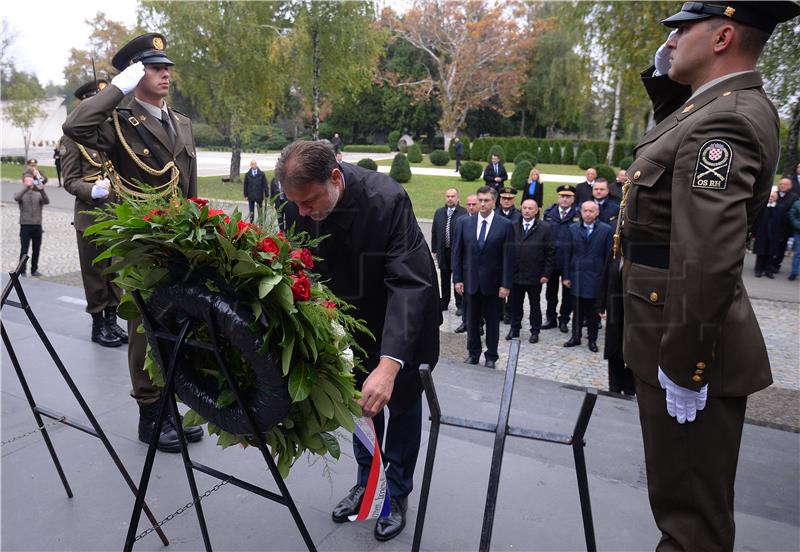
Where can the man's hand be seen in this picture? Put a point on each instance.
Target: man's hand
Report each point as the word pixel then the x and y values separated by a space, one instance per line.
pixel 567 283
pixel 543 280
pixel 503 292
pixel 101 189
pixel 378 387
pixel 661 60
pixel 129 78
pixel 459 287
pixel 682 404
pixel 497 179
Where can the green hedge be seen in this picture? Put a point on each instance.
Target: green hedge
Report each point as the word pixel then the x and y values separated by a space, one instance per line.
pixel 13 159
pixel 368 164
pixel 587 159
pixel 439 158
pixel 549 151
pixel 207 136
pixel 606 172
pixel 471 170
pixel 367 148
pixel 625 162
pixel 401 170
pixel 525 156
pixel 393 138
pixel 415 153
pixel 519 178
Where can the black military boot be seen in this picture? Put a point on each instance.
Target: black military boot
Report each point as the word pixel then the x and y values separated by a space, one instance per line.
pixel 101 334
pixel 111 322
pixel 167 438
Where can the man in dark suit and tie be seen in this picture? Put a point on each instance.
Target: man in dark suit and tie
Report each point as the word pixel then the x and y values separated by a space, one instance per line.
pixel 609 209
pixel 583 191
pixel 442 234
pixel 483 264
pixel 560 216
pixel 375 258
pixel 495 175
pixel 534 259
pixel 255 188
pixel 584 259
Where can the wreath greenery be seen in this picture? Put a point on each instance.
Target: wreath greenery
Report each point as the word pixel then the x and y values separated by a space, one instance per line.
pixel 297 317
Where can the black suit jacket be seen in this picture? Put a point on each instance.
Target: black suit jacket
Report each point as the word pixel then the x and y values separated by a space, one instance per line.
pixel 583 192
pixel 534 254
pixel 437 233
pixel 376 259
pixel 538 195
pixel 609 211
pixel 255 187
pixel 484 270
pixel 489 175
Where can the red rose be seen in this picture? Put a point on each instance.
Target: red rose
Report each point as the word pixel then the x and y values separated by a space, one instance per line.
pixel 301 287
pixel 329 305
pixel 199 201
pixel 147 217
pixel 304 256
pixel 215 212
pixel 241 228
pixel 268 245
pixel 227 220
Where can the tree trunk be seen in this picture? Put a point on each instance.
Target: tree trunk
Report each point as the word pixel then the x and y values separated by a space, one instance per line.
pixel 315 84
pixel 791 141
pixel 26 139
pixel 522 124
pixel 612 139
pixel 236 147
pixel 448 137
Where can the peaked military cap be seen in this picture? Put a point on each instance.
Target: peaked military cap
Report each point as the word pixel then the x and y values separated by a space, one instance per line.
pixel 762 15
pixel 507 191
pixel 89 89
pixel 565 189
pixel 148 48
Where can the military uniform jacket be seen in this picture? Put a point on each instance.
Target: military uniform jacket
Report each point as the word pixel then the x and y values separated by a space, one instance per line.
pixel 79 172
pixel 91 125
pixel 699 179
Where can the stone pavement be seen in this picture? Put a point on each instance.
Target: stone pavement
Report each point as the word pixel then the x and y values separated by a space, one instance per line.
pixel 776 303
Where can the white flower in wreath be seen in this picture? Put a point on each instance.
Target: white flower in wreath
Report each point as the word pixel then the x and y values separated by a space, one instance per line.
pixel 347 357
pixel 337 330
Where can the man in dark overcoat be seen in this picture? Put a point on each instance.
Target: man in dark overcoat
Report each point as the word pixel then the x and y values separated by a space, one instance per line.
pixel 442 236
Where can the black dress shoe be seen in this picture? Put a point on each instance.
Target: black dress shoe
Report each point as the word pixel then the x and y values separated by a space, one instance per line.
pixel 563 327
pixel 349 505
pixel 471 360
pixel 389 527
pixel 769 275
pixel 593 346
pixel 511 335
pixel 506 320
pixel 489 364
pixel 759 274
pixel 573 342
pixel 461 329
pixel 549 325
pixel 167 436
pixel 534 338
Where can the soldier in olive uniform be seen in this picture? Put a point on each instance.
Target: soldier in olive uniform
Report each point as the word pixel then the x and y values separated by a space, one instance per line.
pixel 146 141
pixel 82 171
pixel 698 180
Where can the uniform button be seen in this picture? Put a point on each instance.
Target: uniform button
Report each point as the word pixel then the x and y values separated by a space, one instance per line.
pixel 697 379
pixel 698 372
pixel 701 365
pixel 653 296
pixel 637 174
pixel 727 93
pixel 94 154
pixel 146 151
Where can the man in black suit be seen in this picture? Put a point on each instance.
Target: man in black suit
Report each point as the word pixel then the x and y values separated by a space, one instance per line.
pixel 583 191
pixel 255 188
pixel 560 216
pixel 584 260
pixel 442 235
pixel 458 152
pixel 609 209
pixel 375 258
pixel 495 175
pixel 534 258
pixel 483 269
pixel 472 210
pixel 786 198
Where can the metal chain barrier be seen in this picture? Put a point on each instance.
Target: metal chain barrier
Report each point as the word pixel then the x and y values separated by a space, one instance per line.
pixel 31 432
pixel 182 509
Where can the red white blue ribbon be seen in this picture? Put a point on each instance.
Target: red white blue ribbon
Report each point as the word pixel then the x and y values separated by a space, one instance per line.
pixel 375 503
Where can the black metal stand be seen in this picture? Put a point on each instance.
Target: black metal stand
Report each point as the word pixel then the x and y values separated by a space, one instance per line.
pixel 41 411
pixel 501 429
pixel 161 338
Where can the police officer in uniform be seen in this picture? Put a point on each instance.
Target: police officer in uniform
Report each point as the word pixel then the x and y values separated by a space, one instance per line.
pixel 83 176
pixel 146 141
pixel 699 179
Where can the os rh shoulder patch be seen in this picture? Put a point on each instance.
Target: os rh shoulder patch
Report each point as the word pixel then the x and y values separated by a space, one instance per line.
pixel 713 164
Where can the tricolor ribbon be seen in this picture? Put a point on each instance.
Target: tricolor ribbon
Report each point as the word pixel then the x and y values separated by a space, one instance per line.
pixel 375 503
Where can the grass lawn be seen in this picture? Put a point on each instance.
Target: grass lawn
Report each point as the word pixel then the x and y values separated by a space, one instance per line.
pixel 572 170
pixel 10 171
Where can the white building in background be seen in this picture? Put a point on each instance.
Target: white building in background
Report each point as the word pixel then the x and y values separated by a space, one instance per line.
pixel 46 130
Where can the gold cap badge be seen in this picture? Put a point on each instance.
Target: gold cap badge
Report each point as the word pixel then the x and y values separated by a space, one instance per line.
pixel 729 11
pixel 158 44
pixel 101 85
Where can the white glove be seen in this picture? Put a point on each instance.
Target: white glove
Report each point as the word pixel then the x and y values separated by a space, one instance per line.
pixel 662 61
pixel 101 188
pixel 129 78
pixel 682 403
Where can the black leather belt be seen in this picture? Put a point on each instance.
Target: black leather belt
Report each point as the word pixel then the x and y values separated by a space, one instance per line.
pixel 646 254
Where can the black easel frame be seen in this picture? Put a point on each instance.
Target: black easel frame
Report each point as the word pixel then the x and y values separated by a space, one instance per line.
pixel 501 429
pixel 160 338
pixel 40 411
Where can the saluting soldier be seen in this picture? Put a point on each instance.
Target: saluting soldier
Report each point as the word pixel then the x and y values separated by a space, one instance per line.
pixel 83 176
pixel 147 141
pixel 698 180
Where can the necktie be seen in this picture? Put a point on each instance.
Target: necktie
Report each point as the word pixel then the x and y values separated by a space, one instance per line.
pixel 447 228
pixel 563 214
pixel 527 227
pixel 482 235
pixel 496 171
pixel 167 129
pixel 254 172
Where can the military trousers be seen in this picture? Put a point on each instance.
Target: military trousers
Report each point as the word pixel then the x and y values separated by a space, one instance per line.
pixel 691 469
pixel 100 290
pixel 143 389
